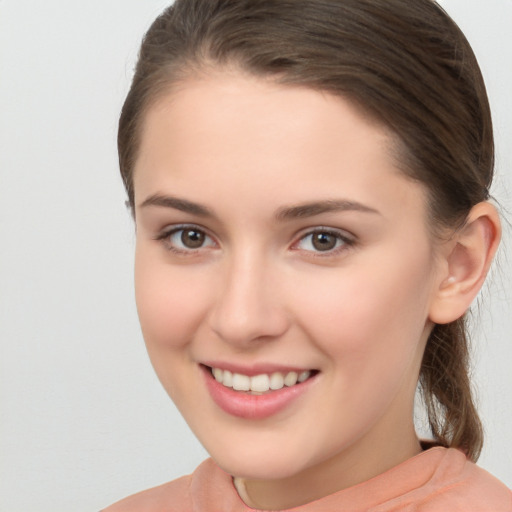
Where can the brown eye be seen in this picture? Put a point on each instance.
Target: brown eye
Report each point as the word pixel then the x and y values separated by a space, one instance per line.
pixel 192 238
pixel 324 241
pixel 186 239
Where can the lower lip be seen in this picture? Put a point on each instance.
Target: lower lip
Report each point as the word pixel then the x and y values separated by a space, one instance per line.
pixel 253 407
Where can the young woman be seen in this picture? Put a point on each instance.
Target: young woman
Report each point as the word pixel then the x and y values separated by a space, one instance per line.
pixel 310 182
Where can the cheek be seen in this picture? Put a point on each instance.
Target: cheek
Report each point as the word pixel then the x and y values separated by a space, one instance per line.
pixel 370 318
pixel 171 305
pixel 169 302
pixel 371 331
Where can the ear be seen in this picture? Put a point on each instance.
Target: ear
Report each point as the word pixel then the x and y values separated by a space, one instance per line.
pixel 464 264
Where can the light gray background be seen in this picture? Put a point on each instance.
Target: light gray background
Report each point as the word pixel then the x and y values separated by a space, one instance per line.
pixel 83 419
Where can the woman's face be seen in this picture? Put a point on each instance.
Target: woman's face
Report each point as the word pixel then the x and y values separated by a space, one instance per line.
pixel 277 240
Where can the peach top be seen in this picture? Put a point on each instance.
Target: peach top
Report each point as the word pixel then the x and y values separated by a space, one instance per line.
pixel 438 479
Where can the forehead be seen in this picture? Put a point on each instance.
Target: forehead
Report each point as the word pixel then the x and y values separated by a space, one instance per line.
pixel 234 134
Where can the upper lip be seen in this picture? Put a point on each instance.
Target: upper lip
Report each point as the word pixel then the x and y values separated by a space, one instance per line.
pixel 255 369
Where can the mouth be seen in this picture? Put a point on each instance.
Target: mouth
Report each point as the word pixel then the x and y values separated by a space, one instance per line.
pixel 259 395
pixel 263 383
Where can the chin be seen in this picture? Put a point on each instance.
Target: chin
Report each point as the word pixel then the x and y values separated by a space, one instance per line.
pixel 264 469
pixel 260 461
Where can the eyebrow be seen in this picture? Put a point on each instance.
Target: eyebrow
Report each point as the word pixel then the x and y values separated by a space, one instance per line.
pixel 305 210
pixel 299 211
pixel 178 204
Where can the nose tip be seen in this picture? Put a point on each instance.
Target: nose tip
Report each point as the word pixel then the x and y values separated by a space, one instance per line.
pixel 248 309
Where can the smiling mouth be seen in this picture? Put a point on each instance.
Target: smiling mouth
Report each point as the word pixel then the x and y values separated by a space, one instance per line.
pixel 262 383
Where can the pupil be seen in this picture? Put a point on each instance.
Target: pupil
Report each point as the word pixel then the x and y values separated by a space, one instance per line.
pixel 324 241
pixel 192 239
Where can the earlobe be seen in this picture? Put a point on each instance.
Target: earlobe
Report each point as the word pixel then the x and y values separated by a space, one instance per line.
pixel 467 260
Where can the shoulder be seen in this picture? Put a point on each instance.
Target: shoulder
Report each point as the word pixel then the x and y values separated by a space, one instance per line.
pixel 460 485
pixel 175 496
pixel 196 492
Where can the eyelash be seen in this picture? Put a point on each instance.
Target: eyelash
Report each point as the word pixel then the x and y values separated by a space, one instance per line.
pixel 166 234
pixel 343 241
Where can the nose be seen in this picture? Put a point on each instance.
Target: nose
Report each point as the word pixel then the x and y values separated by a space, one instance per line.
pixel 248 306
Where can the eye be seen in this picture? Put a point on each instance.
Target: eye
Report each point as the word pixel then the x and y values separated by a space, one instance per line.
pixel 323 241
pixel 186 239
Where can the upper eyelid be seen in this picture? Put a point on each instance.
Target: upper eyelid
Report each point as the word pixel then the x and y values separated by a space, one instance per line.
pixel 172 228
pixel 163 238
pixel 342 233
pixel 349 241
pixel 165 233
pixel 300 234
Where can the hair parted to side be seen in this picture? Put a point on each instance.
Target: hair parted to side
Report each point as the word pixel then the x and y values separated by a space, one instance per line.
pixel 406 64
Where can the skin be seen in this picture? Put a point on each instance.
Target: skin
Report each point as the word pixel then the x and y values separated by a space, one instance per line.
pixel 258 292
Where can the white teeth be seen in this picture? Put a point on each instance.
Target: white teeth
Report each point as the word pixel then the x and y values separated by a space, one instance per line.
pixel 218 374
pixel 304 376
pixel 290 379
pixel 259 383
pixel 276 381
pixel 227 379
pixel 241 382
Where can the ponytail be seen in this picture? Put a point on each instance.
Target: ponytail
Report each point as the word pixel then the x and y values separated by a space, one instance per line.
pixel 446 390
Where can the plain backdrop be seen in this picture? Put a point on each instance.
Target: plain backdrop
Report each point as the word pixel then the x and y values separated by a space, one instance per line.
pixel 83 420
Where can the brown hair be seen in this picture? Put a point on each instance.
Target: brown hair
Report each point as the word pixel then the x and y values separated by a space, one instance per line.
pixel 406 63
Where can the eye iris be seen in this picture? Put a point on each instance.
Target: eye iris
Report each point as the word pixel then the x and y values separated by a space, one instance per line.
pixel 323 241
pixel 192 239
